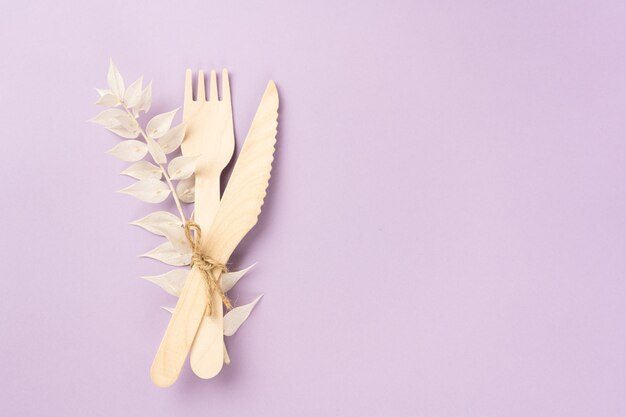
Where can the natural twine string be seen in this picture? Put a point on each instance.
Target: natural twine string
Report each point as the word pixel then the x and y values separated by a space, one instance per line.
pixel 207 265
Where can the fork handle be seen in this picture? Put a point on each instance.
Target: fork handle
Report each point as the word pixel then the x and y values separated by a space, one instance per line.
pixel 207 200
pixel 207 351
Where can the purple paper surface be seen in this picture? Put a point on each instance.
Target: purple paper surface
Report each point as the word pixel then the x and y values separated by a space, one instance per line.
pixel 444 233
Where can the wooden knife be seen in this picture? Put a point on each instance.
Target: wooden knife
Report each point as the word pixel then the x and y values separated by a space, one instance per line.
pixel 238 212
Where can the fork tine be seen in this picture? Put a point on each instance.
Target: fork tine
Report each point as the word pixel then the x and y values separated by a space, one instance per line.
pixel 225 86
pixel 213 87
pixel 188 87
pixel 201 96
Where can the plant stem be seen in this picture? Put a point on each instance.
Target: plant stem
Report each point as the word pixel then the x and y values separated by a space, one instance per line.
pixel 163 170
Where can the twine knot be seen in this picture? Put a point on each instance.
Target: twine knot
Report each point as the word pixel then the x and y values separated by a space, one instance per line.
pixel 210 268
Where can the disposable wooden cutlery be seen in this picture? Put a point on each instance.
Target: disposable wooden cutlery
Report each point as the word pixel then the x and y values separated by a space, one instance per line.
pixel 206 240
pixel 223 223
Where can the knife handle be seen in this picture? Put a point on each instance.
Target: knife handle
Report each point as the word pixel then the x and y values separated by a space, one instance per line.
pixel 180 331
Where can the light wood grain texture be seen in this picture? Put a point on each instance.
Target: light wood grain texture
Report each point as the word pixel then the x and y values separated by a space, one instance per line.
pixel 242 200
pixel 237 213
pixel 209 136
pixel 180 331
pixel 249 178
pixel 207 350
pixel 213 136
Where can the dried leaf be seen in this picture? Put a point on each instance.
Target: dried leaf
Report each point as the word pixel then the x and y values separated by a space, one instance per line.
pixel 116 82
pixel 158 221
pixel 107 98
pixel 176 236
pixel 143 170
pixel 132 96
pixel 146 99
pixel 172 282
pixel 237 316
pixel 150 191
pixel 156 151
pixel 125 131
pixel 160 124
pixel 129 150
pixel 169 309
pixel 172 139
pixel 182 167
pixel 229 279
pixel 119 122
pixel 186 190
pixel 130 123
pixel 167 254
pixel 110 118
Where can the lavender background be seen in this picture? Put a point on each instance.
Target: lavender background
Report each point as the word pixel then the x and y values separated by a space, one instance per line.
pixel 444 233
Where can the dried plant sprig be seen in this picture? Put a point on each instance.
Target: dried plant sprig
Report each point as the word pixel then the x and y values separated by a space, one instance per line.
pixel 134 100
pixel 125 105
pixel 160 158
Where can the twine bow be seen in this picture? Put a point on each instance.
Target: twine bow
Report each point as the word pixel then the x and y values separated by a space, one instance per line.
pixel 207 266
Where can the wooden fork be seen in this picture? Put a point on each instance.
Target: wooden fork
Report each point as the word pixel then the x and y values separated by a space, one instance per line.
pixel 209 135
pixel 212 120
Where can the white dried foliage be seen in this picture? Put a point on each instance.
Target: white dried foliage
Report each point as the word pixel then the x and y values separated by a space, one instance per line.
pixel 150 191
pixel 107 98
pixel 119 122
pixel 146 100
pixel 167 254
pixel 158 221
pixel 237 316
pixel 176 236
pixel 160 124
pixel 132 95
pixel 182 167
pixel 172 282
pixel 186 190
pixel 171 140
pixel 125 105
pixel 129 150
pixel 155 151
pixel 231 278
pixel 143 170
pixel 125 131
pixel 110 117
pixel 115 80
